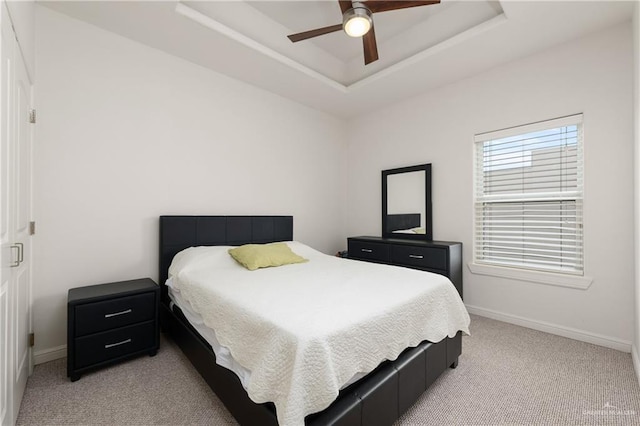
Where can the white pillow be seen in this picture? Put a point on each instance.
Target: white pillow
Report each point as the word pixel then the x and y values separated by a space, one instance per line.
pixel 195 255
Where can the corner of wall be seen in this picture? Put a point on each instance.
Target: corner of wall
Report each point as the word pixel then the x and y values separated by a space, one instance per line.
pixel 636 106
pixel 636 360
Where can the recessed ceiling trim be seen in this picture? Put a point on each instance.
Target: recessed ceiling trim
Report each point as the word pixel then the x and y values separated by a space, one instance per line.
pixel 220 28
pixel 214 25
pixel 420 56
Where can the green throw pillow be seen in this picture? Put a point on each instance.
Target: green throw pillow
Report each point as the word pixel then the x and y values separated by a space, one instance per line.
pixel 254 256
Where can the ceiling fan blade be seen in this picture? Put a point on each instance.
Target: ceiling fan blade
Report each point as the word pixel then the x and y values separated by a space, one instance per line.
pixel 370 47
pixel 386 5
pixel 314 33
pixel 345 5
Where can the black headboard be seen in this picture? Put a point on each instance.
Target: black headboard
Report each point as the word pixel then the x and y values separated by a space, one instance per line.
pixel 397 222
pixel 180 232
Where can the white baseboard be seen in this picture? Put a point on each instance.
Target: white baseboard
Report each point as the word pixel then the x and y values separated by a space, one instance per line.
pixel 571 333
pixel 636 361
pixel 50 354
pixel 58 352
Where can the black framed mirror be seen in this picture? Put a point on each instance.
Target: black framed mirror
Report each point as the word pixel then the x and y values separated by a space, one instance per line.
pixel 406 203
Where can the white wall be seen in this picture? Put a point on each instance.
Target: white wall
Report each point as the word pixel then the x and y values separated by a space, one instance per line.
pixel 126 133
pixel 591 75
pixel 636 118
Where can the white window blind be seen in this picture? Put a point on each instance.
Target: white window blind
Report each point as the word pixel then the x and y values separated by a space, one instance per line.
pixel 528 197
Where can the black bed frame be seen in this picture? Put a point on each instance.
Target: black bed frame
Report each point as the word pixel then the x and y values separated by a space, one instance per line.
pixel 380 398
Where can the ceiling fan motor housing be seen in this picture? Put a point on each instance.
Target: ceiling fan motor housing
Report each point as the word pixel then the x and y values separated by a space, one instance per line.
pixel 357 21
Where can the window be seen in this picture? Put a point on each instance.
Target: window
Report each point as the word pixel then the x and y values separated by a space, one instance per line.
pixel 528 197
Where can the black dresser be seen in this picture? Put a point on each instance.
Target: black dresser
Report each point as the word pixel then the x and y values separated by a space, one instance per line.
pixel 441 257
pixel 107 323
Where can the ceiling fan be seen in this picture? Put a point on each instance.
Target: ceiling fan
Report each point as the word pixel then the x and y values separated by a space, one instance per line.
pixel 357 22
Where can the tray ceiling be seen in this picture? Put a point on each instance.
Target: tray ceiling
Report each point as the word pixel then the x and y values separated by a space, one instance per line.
pixel 420 48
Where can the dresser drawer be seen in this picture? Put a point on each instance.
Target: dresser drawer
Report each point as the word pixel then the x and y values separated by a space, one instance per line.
pixel 369 251
pixel 425 257
pixel 117 312
pixel 108 345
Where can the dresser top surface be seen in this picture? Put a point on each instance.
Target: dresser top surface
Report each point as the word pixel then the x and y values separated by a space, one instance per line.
pixel 423 243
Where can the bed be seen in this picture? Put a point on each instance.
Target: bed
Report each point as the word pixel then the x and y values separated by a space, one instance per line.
pixel 378 398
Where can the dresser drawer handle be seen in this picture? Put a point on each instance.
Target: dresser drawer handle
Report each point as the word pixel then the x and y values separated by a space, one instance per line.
pixel 367 250
pixel 117 344
pixel 115 314
pixel 416 256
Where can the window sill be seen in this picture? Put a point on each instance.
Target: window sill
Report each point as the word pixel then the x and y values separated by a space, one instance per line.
pixel 571 281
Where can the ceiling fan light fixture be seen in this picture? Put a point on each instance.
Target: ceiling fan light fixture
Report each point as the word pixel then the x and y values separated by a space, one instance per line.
pixel 357 21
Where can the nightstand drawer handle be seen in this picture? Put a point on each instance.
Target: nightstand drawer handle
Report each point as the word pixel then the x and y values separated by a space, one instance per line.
pixel 367 250
pixel 416 256
pixel 115 314
pixel 117 344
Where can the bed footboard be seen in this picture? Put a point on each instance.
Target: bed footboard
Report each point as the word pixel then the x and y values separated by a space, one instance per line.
pixel 380 398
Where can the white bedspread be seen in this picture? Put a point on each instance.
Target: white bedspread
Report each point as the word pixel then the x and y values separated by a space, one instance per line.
pixel 304 330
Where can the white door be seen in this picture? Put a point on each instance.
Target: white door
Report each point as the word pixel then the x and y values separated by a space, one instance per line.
pixel 21 295
pixel 6 345
pixel 15 213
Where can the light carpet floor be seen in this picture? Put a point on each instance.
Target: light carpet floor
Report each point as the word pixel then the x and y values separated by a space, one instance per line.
pixel 506 375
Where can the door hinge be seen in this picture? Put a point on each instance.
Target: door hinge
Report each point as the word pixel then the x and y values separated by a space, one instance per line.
pixel 32 116
pixel 32 228
pixel 32 339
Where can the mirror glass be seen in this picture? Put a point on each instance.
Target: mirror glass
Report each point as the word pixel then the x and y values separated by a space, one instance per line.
pixel 406 210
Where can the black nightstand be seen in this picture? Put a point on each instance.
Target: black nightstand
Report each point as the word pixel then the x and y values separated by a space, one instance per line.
pixel 108 323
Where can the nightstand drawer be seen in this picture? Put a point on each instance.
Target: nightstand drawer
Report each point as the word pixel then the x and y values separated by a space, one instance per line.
pixel 368 251
pixel 118 312
pixel 426 257
pixel 90 350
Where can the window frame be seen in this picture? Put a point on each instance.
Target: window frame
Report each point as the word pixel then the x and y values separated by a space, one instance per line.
pixel 567 278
